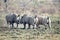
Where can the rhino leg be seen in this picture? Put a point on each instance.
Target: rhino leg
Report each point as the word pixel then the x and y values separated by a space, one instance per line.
pixel 24 26
pixel 37 25
pixel 49 26
pixel 17 25
pixel 12 25
pixel 34 26
pixel 29 26
pixel 45 26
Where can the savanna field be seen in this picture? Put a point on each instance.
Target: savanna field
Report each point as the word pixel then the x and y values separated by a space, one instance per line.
pixel 50 8
pixel 6 33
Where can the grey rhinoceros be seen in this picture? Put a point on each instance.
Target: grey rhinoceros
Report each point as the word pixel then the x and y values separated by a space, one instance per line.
pixel 12 18
pixel 27 20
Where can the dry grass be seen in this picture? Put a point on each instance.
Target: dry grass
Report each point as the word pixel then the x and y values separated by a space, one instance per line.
pixel 26 34
pixel 30 34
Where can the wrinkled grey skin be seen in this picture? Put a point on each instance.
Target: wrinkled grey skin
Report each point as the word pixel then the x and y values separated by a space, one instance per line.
pixel 27 20
pixel 12 18
pixel 43 21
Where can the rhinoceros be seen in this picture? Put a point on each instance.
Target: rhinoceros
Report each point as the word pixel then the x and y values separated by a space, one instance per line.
pixel 27 20
pixel 43 20
pixel 12 18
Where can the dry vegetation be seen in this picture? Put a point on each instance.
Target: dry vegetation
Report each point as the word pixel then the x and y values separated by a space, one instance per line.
pixel 31 34
pixel 47 7
pixel 7 33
